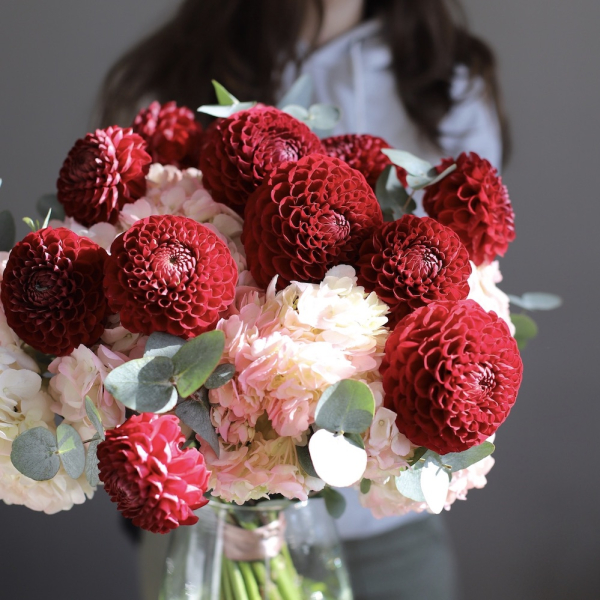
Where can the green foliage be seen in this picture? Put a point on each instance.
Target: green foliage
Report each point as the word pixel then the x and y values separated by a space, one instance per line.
pixel 420 173
pixel 321 117
pixel 227 105
pixel 365 486
pixel 334 502
pixel 196 360
pixel 163 344
pixel 94 416
pixel 355 439
pixel 299 94
pixel 417 455
pixel 347 406
pixel 220 376
pixel 70 450
pixel 35 454
pixel 408 483
pixel 305 460
pixel 144 384
pixel 537 301
pixel 462 460
pixel 49 202
pixel 91 463
pixel 435 481
pixel 392 197
pixel 196 414
pixel 526 329
pixel 8 231
pixel 224 98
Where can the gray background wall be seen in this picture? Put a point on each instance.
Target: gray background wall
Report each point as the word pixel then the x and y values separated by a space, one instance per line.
pixel 533 533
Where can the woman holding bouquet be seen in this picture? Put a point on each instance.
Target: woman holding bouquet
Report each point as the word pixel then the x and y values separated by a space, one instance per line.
pixel 405 70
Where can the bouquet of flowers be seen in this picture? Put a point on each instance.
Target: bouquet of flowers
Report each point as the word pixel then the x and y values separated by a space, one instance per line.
pixel 250 312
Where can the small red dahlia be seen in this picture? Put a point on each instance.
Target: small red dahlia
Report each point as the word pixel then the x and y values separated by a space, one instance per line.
pixel 451 372
pixel 103 171
pixel 241 151
pixel 153 481
pixel 52 291
pixel 307 217
pixel 169 274
pixel 473 202
pixel 412 262
pixel 173 135
pixel 363 153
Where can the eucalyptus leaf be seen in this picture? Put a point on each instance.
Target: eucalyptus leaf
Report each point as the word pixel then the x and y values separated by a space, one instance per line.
pixel 297 111
pixel 526 329
pixel 435 481
pixel 94 416
pixel 224 98
pixel 365 486
pixel 305 460
pixel 196 415
pixel 300 93
pixel 536 301
pixel 144 384
pixel 412 164
pixel 70 450
pixel 346 406
pixel 34 454
pixel 334 502
pixel 220 376
pixel 463 460
pixel 323 116
pixel 223 112
pixel 391 195
pixel 417 455
pixel 408 483
pixel 92 471
pixel 50 202
pixel 196 360
pixel 8 231
pixel 355 439
pixel 163 344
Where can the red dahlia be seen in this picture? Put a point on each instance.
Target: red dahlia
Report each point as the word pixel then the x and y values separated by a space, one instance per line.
pixel 412 262
pixel 169 274
pixel 240 151
pixel 307 217
pixel 473 202
pixel 153 481
pixel 52 291
pixel 451 372
pixel 172 134
pixel 363 153
pixel 103 171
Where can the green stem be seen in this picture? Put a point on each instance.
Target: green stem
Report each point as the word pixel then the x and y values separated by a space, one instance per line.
pixel 226 589
pixel 270 589
pixel 237 581
pixel 250 580
pixel 285 584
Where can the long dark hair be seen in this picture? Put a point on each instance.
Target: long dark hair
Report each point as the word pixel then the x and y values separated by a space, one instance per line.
pixel 246 44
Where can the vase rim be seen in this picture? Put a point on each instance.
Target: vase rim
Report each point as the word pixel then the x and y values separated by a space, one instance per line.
pixel 267 505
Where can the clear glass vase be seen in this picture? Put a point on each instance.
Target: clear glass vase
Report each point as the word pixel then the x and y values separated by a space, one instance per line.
pixel 274 551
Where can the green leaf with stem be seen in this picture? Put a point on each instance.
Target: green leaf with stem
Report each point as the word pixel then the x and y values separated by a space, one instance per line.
pixel 346 406
pixel 392 197
pixel 92 472
pixel 412 164
pixel 196 414
pixel 462 460
pixel 224 98
pixel 196 360
pixel 334 502
pixel 70 450
pixel 34 453
pixel 144 384
pixel 220 376
pixel 94 416
pixel 163 344
pixel 305 460
pixel 417 455
pixel 526 329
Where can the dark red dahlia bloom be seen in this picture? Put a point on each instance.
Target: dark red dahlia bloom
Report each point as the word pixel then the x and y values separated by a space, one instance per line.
pixel 451 372
pixel 173 135
pixel 169 274
pixel 52 291
pixel 153 481
pixel 412 262
pixel 240 151
pixel 309 216
pixel 103 171
pixel 473 202
pixel 363 153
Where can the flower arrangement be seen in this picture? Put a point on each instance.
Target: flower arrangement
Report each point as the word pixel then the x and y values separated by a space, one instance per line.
pixel 254 313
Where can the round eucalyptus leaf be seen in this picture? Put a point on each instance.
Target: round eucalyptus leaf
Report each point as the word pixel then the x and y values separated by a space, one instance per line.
pixel 346 406
pixel 537 301
pixel 408 483
pixel 435 481
pixel 365 486
pixel 335 503
pixel 323 116
pixel 305 460
pixel 70 450
pixel 337 461
pixel 196 415
pixel 220 376
pixel 300 93
pixel 412 164
pixel 92 472
pixel 144 384
pixel 162 344
pixel 297 111
pixel 196 360
pixel 94 416
pixel 34 454
pixel 462 460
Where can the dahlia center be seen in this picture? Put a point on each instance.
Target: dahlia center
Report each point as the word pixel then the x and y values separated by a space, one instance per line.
pixel 173 262
pixel 40 288
pixel 483 382
pixel 421 261
pixel 283 152
pixel 334 226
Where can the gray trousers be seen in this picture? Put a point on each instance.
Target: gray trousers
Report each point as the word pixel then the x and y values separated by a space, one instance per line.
pixel 413 562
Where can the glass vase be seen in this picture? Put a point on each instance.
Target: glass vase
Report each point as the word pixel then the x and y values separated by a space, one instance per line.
pixel 274 551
